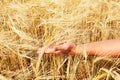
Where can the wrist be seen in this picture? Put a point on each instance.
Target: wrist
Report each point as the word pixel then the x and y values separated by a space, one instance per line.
pixel 73 52
pixel 77 49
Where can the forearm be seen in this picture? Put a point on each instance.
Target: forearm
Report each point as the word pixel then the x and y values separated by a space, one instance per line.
pixel 109 48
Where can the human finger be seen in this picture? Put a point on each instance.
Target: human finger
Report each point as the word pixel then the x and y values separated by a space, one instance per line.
pixel 41 50
pixel 50 50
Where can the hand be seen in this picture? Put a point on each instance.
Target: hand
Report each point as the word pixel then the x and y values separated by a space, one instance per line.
pixel 66 48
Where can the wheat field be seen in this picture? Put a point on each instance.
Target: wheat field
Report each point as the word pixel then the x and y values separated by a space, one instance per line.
pixel 26 25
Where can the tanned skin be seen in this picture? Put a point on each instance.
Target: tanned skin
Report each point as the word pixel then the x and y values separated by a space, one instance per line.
pixel 107 48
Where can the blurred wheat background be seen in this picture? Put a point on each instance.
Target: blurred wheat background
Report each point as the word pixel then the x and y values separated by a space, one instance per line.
pixel 26 25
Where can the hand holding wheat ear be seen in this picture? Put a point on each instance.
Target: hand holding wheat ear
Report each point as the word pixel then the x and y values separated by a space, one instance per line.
pixel 66 48
pixel 107 48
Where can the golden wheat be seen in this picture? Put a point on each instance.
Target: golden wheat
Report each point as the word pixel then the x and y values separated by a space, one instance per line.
pixel 26 25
